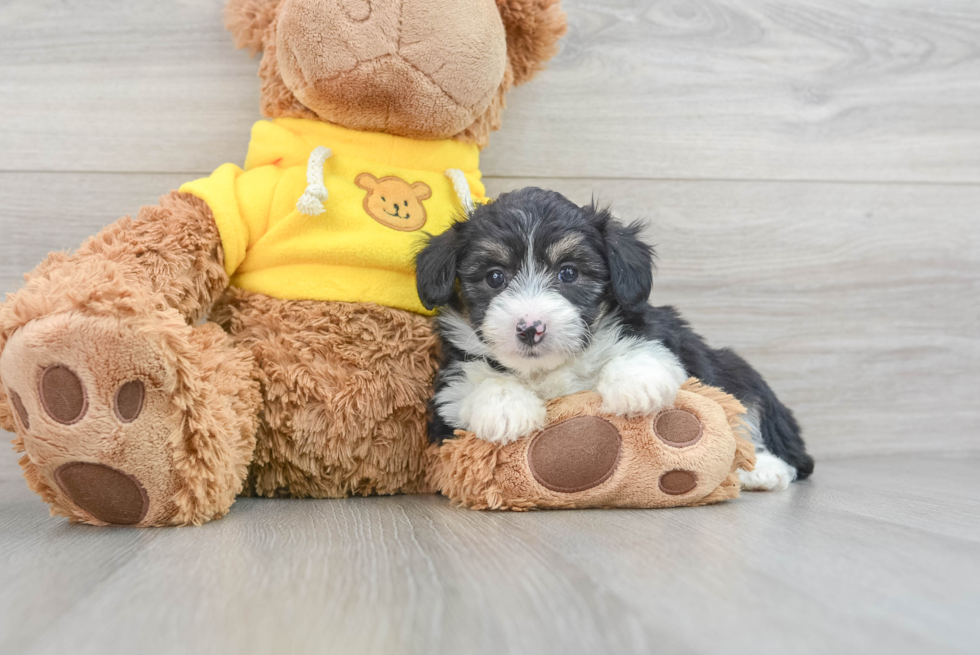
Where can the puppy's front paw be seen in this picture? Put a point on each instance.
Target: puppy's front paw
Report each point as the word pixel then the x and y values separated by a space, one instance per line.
pixel 502 411
pixel 770 474
pixel 634 389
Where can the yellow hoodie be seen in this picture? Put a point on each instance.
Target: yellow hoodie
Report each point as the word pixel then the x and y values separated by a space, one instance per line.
pixel 364 214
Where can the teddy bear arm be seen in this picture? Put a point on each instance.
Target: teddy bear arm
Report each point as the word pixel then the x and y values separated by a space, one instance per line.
pixel 101 362
pixel 170 257
pixel 172 249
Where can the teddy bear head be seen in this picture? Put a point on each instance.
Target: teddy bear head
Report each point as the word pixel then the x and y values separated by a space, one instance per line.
pixel 427 69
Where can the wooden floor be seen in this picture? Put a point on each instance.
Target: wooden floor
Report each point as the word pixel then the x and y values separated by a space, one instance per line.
pixel 875 555
pixel 810 171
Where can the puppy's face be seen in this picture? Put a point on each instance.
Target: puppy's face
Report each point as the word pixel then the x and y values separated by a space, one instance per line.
pixel 533 280
pixel 532 273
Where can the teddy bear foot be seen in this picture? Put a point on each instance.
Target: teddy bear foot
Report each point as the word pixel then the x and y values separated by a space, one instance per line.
pixel 687 454
pixel 129 424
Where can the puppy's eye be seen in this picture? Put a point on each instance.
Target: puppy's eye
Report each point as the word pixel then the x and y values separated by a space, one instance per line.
pixel 568 274
pixel 495 278
pixel 382 199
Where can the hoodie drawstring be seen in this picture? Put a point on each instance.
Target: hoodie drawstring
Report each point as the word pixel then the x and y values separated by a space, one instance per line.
pixel 462 188
pixel 311 202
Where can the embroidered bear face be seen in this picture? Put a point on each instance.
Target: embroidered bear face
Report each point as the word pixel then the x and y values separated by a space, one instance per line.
pixel 393 202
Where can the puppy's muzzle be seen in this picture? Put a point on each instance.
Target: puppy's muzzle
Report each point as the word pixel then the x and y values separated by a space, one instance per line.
pixel 530 333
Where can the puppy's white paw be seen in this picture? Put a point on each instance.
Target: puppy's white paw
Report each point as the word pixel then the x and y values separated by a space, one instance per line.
pixel 770 474
pixel 636 388
pixel 501 411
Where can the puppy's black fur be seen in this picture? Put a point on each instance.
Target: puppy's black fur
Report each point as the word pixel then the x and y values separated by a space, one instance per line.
pixel 616 276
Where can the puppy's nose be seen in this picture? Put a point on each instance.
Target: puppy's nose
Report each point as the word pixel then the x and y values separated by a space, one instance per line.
pixel 530 333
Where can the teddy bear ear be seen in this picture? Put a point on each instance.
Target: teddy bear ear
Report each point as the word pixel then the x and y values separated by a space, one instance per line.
pixel 366 181
pixel 533 28
pixel 421 191
pixel 248 20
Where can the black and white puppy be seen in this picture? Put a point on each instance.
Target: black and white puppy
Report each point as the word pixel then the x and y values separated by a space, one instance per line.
pixel 541 298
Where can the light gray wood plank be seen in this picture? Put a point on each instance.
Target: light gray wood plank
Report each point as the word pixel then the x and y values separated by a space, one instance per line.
pixel 134 86
pixel 728 89
pixel 854 300
pixel 43 212
pixel 828 566
pixel 714 89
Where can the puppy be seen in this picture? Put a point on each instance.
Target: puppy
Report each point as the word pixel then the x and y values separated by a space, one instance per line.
pixel 541 298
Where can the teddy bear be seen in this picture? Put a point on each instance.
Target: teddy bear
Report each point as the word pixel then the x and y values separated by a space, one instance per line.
pixel 258 332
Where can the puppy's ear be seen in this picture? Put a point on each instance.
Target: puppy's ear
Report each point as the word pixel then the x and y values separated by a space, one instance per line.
pixel 435 268
pixel 630 259
pixel 533 28
pixel 248 20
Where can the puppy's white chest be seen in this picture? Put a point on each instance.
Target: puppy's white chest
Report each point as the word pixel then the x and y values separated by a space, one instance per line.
pixel 563 381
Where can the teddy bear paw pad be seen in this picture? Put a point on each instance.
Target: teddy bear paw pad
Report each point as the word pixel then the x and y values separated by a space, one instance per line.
pixel 678 428
pixel 576 454
pixel 128 402
pixel 62 394
pixel 18 405
pixel 93 405
pixel 678 482
pixel 107 494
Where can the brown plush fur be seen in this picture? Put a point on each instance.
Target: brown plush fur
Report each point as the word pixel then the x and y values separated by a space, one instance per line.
pixel 416 68
pixel 533 29
pixel 7 417
pixel 344 391
pixel 744 450
pixel 481 475
pixel 343 386
pixel 276 100
pixel 249 20
pixel 95 313
pixel 172 249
